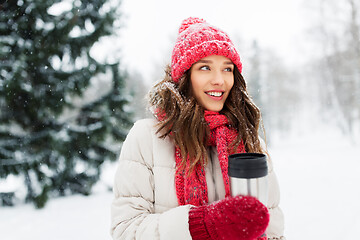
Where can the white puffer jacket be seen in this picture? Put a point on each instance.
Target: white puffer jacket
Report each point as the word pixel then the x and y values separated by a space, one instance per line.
pixel 145 204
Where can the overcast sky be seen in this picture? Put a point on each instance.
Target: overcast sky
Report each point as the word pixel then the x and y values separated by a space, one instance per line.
pixel 150 27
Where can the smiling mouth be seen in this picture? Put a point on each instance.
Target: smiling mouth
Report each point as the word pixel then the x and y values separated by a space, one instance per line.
pixel 215 94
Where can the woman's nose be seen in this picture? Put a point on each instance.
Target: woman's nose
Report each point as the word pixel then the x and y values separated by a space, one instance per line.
pixel 217 78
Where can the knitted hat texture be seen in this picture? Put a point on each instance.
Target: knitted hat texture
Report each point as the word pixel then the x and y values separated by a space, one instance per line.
pixel 196 40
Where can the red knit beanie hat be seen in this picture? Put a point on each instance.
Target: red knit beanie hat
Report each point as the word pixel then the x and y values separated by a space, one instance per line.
pixel 197 39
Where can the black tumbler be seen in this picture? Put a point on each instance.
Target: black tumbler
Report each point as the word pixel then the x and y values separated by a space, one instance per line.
pixel 248 175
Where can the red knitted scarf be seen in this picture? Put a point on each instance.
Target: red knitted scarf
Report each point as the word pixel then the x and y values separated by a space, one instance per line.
pixel 192 189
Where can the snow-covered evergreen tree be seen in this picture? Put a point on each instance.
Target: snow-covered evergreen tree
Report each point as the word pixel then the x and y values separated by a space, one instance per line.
pixel 57 146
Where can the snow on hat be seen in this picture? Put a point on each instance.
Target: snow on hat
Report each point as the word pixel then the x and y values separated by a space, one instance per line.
pixel 197 39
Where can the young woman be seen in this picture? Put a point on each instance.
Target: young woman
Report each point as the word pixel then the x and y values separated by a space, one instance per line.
pixel 172 180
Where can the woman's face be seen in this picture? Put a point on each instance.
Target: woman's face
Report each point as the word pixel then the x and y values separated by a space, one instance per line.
pixel 212 78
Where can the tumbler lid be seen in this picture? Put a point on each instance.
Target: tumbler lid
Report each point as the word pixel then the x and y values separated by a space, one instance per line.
pixel 247 165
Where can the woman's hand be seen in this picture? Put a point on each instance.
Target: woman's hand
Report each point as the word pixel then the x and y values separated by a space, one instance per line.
pixel 241 217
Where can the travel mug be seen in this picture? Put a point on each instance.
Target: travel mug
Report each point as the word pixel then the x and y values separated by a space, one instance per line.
pixel 248 175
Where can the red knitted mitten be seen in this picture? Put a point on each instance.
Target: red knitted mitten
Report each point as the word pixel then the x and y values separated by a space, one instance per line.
pixel 241 218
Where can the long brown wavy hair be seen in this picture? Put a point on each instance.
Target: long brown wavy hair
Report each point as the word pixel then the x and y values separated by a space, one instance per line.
pixel 182 119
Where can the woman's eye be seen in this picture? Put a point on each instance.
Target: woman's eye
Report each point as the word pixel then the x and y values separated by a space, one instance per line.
pixel 228 70
pixel 205 68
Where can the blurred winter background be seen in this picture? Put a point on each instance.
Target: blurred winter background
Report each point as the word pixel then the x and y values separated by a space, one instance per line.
pixel 73 75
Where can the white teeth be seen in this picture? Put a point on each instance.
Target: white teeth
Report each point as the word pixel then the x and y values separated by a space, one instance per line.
pixel 215 94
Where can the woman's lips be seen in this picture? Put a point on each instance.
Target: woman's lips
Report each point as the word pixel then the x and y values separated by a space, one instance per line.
pixel 216 95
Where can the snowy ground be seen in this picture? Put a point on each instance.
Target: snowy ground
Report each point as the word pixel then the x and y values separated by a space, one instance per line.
pixel 318 173
pixel 319 176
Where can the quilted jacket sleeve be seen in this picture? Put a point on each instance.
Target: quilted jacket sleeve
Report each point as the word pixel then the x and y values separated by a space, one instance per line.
pixel 132 210
pixel 275 230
